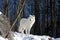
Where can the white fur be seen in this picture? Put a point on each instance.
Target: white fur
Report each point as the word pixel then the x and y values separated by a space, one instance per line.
pixel 26 24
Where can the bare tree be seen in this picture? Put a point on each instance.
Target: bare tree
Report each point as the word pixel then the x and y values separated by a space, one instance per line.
pixel 4 25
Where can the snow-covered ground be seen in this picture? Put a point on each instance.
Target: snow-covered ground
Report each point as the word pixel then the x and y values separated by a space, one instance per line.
pixel 57 38
pixel 1 38
pixel 19 36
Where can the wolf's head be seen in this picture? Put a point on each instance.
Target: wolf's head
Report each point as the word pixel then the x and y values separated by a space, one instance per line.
pixel 31 19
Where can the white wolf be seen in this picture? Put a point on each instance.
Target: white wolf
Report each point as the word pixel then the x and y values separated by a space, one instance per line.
pixel 26 24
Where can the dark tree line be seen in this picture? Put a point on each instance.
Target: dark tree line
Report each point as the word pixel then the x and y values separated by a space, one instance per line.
pixel 48 27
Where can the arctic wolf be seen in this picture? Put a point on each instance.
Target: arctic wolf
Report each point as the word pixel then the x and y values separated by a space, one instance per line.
pixel 26 24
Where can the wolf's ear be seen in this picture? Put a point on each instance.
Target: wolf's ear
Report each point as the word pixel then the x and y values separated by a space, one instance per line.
pixel 0 13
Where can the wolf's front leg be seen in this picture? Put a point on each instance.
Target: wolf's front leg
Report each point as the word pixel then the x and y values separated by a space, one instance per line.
pixel 22 32
pixel 28 31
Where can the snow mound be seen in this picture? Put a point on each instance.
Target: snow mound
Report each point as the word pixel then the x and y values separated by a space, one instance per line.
pixel 19 36
pixel 1 38
pixel 57 38
pixel 0 12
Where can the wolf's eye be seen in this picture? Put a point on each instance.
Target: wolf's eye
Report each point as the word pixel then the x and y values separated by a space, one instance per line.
pixel 30 19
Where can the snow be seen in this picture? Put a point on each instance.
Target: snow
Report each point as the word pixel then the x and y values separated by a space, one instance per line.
pixel 0 13
pixel 57 38
pixel 1 38
pixel 19 36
